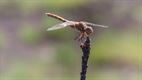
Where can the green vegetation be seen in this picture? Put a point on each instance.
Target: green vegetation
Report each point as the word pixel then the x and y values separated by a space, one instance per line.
pixel 29 52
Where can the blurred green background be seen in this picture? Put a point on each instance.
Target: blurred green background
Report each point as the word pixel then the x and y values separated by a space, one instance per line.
pixel 29 52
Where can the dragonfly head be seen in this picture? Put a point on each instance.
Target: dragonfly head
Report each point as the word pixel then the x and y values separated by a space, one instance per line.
pixel 89 30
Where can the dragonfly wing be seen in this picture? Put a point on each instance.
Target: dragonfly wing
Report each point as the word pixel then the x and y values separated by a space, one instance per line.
pixel 98 25
pixel 60 26
pixel 95 25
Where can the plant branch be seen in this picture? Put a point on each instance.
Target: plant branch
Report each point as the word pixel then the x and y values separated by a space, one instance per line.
pixel 86 51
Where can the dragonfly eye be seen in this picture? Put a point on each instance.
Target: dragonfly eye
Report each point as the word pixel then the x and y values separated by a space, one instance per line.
pixel 89 30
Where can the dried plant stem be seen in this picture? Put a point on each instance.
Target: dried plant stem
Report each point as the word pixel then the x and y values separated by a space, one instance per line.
pixel 86 51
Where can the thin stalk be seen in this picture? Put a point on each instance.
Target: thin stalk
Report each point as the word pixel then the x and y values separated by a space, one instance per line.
pixel 86 51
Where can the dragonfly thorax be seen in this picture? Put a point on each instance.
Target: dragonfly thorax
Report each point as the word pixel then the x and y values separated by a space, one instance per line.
pixel 80 26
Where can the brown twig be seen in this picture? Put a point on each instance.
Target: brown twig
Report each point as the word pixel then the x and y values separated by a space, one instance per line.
pixel 86 51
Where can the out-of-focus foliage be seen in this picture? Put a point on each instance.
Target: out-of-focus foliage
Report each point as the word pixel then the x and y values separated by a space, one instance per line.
pixel 29 35
pixel 116 45
pixel 66 56
pixel 28 51
pixel 2 39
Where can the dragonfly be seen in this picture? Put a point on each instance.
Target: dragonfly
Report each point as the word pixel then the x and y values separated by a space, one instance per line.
pixel 85 28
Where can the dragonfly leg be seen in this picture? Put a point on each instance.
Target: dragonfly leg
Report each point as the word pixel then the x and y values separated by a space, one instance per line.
pixel 83 39
pixel 85 35
pixel 76 38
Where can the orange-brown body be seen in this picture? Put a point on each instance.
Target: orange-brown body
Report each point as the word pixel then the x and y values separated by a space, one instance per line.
pixel 85 28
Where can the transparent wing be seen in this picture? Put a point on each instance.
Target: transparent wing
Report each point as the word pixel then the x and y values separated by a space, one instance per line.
pixel 61 25
pixel 95 25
